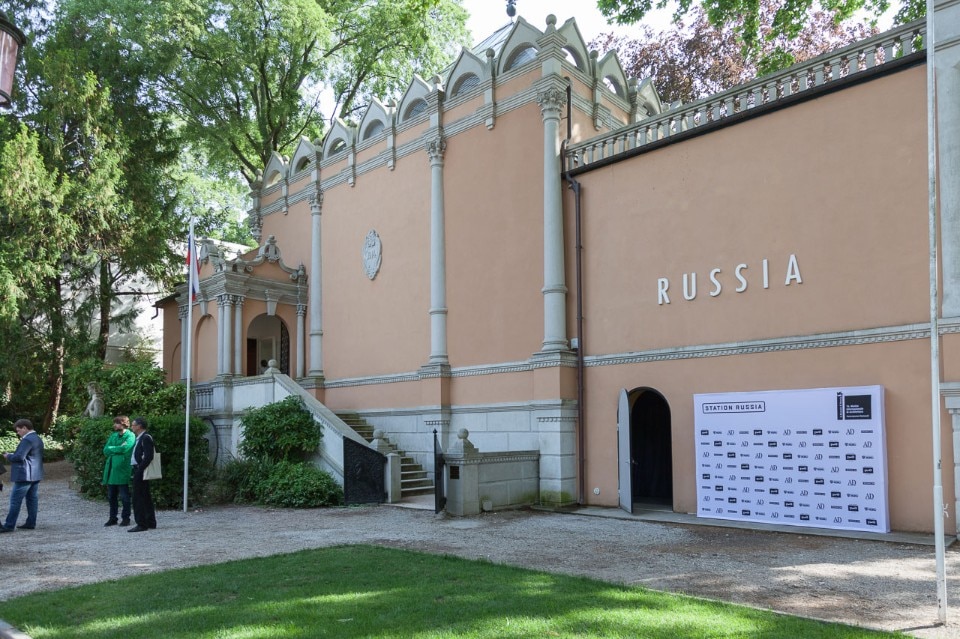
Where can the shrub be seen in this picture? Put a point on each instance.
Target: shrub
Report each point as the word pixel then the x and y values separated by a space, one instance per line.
pixel 52 449
pixel 86 453
pixel 236 481
pixel 281 431
pixel 299 485
pixel 129 388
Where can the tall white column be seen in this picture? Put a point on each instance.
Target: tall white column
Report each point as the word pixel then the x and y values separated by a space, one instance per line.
pixel 227 334
pixel 315 289
pixel 183 312
pixel 221 350
pixel 238 335
pixel 551 101
pixel 438 261
pixel 301 347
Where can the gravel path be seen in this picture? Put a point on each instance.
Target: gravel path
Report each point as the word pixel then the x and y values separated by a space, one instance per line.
pixel 875 584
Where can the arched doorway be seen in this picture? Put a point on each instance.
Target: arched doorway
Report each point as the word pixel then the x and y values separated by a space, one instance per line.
pixel 645 450
pixel 267 338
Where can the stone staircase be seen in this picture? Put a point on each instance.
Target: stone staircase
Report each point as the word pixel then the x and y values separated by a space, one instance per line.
pixel 414 480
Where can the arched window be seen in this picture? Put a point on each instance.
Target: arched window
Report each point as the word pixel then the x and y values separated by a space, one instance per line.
pixel 337 146
pixel 375 129
pixel 416 108
pixel 522 56
pixel 273 179
pixel 302 164
pixel 465 83
pixel 613 85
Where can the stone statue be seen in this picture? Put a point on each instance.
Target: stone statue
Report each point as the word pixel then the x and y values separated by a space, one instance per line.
pixel 96 406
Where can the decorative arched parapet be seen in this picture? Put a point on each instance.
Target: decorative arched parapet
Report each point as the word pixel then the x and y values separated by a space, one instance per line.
pixel 611 74
pixel 609 84
pixel 644 100
pixel 413 105
pixel 520 48
pixel 575 49
pixel 275 184
pixel 303 172
pixel 340 144
pixel 378 124
pixel 304 158
pixel 466 76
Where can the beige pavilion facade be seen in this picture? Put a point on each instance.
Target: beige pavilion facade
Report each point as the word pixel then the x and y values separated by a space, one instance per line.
pixel 518 244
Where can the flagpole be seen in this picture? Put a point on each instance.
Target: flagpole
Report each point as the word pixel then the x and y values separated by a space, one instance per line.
pixel 191 287
pixel 934 239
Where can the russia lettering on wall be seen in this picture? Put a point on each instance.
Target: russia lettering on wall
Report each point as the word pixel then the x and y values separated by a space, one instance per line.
pixel 810 457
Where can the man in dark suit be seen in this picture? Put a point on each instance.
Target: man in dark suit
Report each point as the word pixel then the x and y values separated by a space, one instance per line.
pixel 143 513
pixel 26 471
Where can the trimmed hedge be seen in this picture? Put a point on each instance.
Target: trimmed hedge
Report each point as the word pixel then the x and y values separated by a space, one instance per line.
pixel 86 453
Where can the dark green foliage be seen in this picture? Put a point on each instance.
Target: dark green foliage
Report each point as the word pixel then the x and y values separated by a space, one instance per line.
pixel 167 431
pixel 237 480
pixel 129 388
pixel 282 431
pixel 299 485
pixel 52 450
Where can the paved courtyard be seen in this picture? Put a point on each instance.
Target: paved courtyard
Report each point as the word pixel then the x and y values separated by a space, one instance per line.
pixel 879 584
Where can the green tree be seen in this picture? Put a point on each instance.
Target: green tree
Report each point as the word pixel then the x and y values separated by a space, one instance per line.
pixel 85 202
pixel 245 77
pixel 753 22
pixel 694 58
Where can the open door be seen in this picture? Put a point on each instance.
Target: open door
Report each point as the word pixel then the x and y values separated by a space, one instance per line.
pixel 624 462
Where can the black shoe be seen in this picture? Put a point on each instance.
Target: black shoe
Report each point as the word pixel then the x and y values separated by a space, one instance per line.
pixel 4 529
pixel 26 527
pixel 125 522
pixel 138 529
pixel 112 522
pixel 152 526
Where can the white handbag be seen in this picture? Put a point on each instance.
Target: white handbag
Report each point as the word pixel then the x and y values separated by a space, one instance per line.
pixel 153 469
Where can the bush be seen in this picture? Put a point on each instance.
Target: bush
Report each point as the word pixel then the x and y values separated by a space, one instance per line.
pixel 130 388
pixel 52 449
pixel 86 453
pixel 299 485
pixel 236 481
pixel 281 431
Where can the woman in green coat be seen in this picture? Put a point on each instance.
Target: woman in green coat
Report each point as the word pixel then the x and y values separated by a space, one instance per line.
pixel 116 471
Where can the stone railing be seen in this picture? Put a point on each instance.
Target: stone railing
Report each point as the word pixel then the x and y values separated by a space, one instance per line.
pixel 202 401
pixel 847 62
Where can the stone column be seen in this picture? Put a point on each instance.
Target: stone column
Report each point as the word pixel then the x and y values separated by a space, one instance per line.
pixel 238 335
pixel 183 313
pixel 552 99
pixel 438 263
pixel 955 422
pixel 226 344
pixel 301 347
pixel 221 318
pixel 315 290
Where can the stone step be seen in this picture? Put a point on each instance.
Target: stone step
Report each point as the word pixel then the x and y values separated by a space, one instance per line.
pixel 414 480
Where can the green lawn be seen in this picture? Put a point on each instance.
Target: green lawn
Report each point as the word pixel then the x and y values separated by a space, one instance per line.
pixel 367 591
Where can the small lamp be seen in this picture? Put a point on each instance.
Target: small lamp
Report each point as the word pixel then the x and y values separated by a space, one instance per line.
pixel 11 39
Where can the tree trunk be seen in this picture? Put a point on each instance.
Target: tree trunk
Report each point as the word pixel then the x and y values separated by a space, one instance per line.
pixel 58 349
pixel 105 298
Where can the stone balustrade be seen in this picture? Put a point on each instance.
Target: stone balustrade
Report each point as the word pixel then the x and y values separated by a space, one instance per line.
pixel 766 91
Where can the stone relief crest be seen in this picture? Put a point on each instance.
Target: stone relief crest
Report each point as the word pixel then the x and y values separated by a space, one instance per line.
pixel 372 254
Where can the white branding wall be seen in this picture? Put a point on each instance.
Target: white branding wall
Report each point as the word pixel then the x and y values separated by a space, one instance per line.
pixel 813 457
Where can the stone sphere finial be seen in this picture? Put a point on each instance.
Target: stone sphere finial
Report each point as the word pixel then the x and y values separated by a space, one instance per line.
pixel 378 434
pixel 551 20
pixel 463 433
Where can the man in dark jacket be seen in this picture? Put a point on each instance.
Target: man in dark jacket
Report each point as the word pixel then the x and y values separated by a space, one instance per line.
pixel 143 512
pixel 26 471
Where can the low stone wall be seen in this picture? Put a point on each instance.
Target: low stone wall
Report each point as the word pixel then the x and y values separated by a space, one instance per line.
pixel 477 481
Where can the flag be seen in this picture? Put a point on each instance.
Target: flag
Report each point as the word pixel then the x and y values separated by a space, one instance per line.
pixel 193 267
